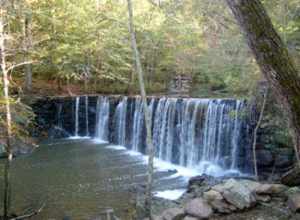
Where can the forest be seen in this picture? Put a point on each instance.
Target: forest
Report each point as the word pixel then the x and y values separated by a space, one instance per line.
pixel 150 109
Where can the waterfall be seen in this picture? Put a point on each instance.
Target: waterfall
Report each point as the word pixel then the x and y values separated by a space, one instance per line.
pixel 102 118
pixel 87 115
pixel 121 121
pixel 59 116
pixel 77 102
pixel 138 122
pixel 203 134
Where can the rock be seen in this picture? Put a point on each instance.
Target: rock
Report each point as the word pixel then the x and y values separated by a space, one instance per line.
pixel 271 189
pixel 173 214
pixel 198 208
pixel 263 198
pixel 212 195
pixel 265 158
pixel 291 191
pixel 216 200
pixel 294 202
pixel 224 186
pixel 236 194
pixel 221 206
pixel 190 218
pixel 201 181
pixel 250 184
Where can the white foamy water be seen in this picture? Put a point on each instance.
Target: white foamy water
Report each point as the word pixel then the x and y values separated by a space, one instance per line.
pixel 116 147
pixel 170 194
pixel 159 165
pixel 99 141
pixel 78 137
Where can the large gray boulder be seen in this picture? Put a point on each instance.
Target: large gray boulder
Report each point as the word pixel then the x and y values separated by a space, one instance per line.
pixel 294 202
pixel 236 193
pixel 173 214
pixel 271 189
pixel 198 208
pixel 212 195
pixel 190 218
pixel 217 202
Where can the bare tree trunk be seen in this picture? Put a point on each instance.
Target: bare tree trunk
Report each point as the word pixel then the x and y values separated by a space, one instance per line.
pixel 148 122
pixel 261 114
pixel 27 47
pixel 273 59
pixel 5 80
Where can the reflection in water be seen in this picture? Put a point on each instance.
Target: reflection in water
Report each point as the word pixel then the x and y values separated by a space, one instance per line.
pixel 79 179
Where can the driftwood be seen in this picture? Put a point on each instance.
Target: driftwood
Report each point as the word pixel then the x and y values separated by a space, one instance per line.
pixel 29 215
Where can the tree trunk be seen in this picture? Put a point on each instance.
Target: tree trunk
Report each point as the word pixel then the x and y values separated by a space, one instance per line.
pixel 148 122
pixel 272 57
pixel 5 79
pixel 27 47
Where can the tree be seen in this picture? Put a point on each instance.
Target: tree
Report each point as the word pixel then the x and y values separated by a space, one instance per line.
pixel 27 48
pixel 272 57
pixel 147 113
pixel 5 78
pixel 6 66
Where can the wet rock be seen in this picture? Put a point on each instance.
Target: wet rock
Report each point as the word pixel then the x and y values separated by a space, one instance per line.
pixel 291 191
pixel 212 195
pixel 198 208
pixel 216 200
pixel 250 184
pixel 190 218
pixel 173 214
pixel 199 184
pixel 263 198
pixel 294 202
pixel 271 189
pixel 221 206
pixel 236 194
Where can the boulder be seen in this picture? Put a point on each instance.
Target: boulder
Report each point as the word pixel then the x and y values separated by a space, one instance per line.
pixel 203 181
pixel 198 208
pixel 173 214
pixel 294 202
pixel 271 189
pixel 212 195
pixel 236 194
pixel 221 206
pixel 190 218
pixel 291 191
pixel 250 184
pixel 263 198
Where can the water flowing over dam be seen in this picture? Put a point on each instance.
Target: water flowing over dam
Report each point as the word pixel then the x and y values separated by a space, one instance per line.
pixel 209 135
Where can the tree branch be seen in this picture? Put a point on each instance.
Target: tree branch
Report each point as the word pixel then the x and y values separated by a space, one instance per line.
pixel 18 65
pixel 29 215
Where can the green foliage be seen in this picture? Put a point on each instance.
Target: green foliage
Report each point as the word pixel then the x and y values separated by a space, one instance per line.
pixel 88 40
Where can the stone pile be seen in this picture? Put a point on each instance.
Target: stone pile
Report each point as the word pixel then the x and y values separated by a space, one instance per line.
pixel 228 196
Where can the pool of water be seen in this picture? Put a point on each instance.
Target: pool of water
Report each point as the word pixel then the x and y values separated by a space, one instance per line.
pixel 79 179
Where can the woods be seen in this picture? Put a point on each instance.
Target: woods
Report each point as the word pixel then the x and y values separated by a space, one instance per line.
pixel 138 103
